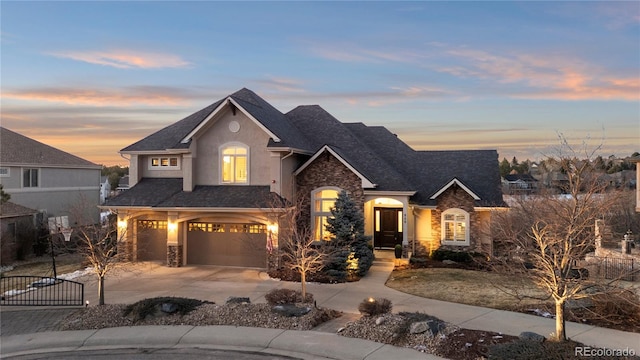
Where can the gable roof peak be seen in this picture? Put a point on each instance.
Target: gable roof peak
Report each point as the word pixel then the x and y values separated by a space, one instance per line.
pixel 456 181
pixel 19 149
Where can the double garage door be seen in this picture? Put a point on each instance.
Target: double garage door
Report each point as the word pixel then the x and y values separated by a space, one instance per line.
pixel 226 244
pixel 207 243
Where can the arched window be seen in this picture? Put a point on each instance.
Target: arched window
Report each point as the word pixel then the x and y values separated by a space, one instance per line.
pixel 234 167
pixel 323 200
pixel 455 227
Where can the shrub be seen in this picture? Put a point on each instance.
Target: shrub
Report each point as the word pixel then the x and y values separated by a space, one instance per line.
pixel 517 350
pixel 614 307
pixel 418 261
pixel 147 307
pixel 457 256
pixel 534 350
pixel 372 307
pixel 286 296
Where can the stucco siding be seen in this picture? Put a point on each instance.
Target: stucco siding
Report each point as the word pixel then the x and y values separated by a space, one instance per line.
pixel 207 160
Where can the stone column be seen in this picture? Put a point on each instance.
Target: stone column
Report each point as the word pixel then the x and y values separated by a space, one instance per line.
pixel 125 236
pixel 174 247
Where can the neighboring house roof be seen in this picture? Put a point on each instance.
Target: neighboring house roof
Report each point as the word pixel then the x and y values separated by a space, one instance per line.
pixel 123 182
pixel 521 177
pixel 11 210
pixel 167 192
pixel 21 150
pixel 377 156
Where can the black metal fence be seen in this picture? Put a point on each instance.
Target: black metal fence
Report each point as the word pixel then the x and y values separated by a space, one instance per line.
pixel 40 291
pixel 617 268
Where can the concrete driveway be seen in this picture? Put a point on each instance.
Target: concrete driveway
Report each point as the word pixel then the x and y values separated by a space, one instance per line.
pixel 213 283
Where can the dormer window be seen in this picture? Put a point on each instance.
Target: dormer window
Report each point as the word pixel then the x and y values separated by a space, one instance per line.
pixel 164 163
pixel 234 164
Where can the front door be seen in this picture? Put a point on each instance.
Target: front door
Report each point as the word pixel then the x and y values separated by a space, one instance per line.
pixel 388 227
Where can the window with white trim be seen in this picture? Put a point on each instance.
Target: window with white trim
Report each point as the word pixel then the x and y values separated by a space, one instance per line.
pixel 164 163
pixel 30 177
pixel 455 227
pixel 234 164
pixel 322 201
pixel 4 172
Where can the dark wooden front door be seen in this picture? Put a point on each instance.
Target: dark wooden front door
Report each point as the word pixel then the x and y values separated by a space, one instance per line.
pixel 388 227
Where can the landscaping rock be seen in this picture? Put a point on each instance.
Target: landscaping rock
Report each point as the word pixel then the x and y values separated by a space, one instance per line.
pixel 528 335
pixel 238 300
pixel 432 326
pixel 380 321
pixel 290 310
pixel 168 308
pixel 418 327
pixel 436 326
pixel 449 262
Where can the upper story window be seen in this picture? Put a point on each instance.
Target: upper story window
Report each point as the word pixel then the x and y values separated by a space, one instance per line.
pixel 30 177
pixel 322 201
pixel 4 172
pixel 455 227
pixel 234 164
pixel 164 163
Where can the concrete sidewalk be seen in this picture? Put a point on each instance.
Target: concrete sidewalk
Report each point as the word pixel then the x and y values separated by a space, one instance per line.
pixel 217 284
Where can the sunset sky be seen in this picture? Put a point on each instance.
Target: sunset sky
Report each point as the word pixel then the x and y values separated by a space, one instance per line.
pixel 93 77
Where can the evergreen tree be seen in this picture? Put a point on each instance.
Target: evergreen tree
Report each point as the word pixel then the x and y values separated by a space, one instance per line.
pixel 505 167
pixel 347 226
pixel 514 164
pixel 4 197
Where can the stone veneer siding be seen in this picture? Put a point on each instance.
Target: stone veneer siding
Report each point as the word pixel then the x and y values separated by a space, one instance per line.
pixel 326 170
pixel 174 255
pixel 455 197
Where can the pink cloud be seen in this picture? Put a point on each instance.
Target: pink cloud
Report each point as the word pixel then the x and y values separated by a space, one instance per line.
pixel 99 97
pixel 552 77
pixel 126 59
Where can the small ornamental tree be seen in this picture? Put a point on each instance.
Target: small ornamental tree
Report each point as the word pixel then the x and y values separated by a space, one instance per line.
pixel 346 224
pixel 297 248
pixel 99 245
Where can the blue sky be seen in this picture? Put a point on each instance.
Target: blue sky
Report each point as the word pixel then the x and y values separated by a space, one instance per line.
pixel 92 77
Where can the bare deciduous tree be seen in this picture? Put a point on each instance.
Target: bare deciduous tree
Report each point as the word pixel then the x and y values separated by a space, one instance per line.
pixel 99 245
pixel 298 249
pixel 552 233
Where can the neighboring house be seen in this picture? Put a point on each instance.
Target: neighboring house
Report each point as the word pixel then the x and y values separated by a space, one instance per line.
pixel 520 184
pixel 14 219
pixel 47 179
pixel 123 184
pixel 201 189
pixel 105 188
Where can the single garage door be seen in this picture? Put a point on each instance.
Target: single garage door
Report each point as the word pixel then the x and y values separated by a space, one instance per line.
pixel 227 244
pixel 152 240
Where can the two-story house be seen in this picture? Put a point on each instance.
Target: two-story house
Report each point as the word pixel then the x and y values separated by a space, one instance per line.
pixel 201 189
pixel 49 180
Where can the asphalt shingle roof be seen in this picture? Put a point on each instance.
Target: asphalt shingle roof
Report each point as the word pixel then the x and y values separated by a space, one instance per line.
pixel 9 210
pixel 167 192
pixel 223 196
pixel 19 149
pixel 317 124
pixel 373 151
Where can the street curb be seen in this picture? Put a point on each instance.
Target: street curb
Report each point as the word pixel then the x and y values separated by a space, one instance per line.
pixel 302 344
